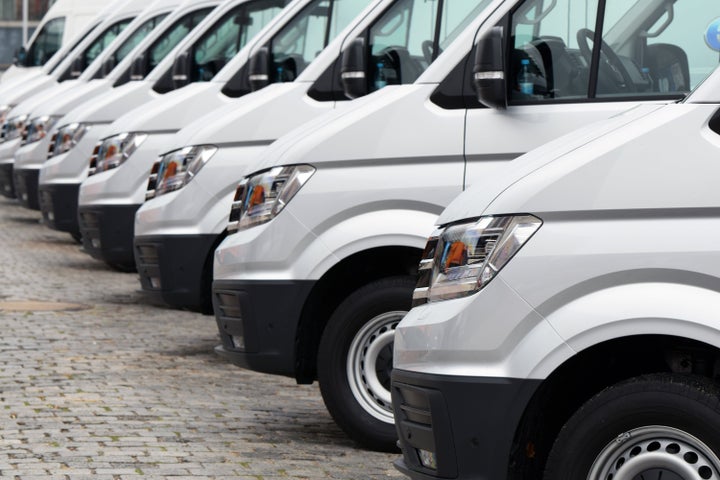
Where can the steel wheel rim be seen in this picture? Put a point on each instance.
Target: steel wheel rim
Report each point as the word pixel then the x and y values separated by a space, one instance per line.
pixel 370 346
pixel 654 452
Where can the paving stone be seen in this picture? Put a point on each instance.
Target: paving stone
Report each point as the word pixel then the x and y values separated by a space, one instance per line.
pixel 100 383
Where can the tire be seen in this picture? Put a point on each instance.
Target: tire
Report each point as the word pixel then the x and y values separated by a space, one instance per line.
pixel 357 391
pixel 654 427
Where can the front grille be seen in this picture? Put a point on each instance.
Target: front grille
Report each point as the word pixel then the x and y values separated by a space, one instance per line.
pixel 152 181
pixel 94 159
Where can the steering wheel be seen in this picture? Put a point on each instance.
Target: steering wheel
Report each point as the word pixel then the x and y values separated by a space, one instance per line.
pixel 611 59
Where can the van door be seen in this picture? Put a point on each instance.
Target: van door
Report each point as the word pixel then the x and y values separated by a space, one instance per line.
pixel 569 63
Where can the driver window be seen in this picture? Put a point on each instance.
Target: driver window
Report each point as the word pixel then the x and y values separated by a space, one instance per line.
pixel 306 35
pixel 228 36
pixel 169 39
pixel 137 36
pixel 46 44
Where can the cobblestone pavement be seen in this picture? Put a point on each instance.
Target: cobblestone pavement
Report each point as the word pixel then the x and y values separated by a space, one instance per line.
pixel 112 387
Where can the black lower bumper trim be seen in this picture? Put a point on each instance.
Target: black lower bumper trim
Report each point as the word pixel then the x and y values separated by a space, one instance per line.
pixel 177 268
pixel 26 187
pixel 7 187
pixel 258 322
pixel 468 422
pixel 59 206
pixel 107 233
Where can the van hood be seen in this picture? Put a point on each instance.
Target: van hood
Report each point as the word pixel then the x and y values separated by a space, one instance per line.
pixel 255 117
pixel 30 104
pixel 169 112
pixel 62 101
pixel 341 135
pixel 490 195
pixel 108 106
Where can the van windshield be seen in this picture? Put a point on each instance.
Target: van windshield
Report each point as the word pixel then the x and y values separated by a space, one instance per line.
pixel 102 42
pixel 45 45
pixel 228 35
pixel 136 37
pixel 306 35
pixel 172 36
pixel 411 35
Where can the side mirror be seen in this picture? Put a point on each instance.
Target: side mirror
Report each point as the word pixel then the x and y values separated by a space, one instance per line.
pixel 20 57
pixel 354 67
pixel 259 69
pixel 108 66
pixel 181 70
pixel 78 65
pixel 138 69
pixel 489 70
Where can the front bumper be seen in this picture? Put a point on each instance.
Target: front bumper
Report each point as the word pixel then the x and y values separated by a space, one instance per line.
pixel 177 268
pixel 107 232
pixel 468 422
pixel 7 187
pixel 258 321
pixel 59 206
pixel 26 186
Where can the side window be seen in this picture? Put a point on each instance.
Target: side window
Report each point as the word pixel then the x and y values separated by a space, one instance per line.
pixel 136 37
pixel 306 35
pixel 72 47
pixel 647 49
pixel 229 35
pixel 101 43
pixel 411 34
pixel 46 43
pixel 173 35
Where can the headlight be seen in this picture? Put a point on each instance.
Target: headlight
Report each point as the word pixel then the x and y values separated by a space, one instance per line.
pixel 14 128
pixel 66 138
pixel 461 259
pixel 176 169
pixel 39 127
pixel 113 151
pixel 260 197
pixel 4 110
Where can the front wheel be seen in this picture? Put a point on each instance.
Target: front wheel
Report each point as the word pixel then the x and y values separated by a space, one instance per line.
pixel 654 427
pixel 355 361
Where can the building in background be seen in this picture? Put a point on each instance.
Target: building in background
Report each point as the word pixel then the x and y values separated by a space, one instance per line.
pixel 11 25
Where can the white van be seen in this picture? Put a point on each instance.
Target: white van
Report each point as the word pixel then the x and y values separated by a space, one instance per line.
pixel 29 160
pixel 159 115
pixel 192 216
pixel 63 24
pixel 146 75
pixel 336 214
pixel 565 323
pixel 64 78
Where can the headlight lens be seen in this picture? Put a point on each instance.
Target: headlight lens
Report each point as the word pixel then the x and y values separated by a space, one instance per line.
pixel 176 169
pixel 461 259
pixel 66 138
pixel 14 128
pixel 39 127
pixel 261 197
pixel 113 151
pixel 4 110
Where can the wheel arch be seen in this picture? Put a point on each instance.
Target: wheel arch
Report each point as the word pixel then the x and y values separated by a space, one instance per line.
pixel 590 371
pixel 334 286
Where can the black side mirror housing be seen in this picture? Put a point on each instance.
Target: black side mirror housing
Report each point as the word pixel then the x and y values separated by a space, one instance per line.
pixel 353 72
pixel 20 57
pixel 259 69
pixel 108 66
pixel 77 68
pixel 181 70
pixel 489 70
pixel 138 69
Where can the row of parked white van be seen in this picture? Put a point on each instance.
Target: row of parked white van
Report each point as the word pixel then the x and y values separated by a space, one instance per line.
pixel 563 323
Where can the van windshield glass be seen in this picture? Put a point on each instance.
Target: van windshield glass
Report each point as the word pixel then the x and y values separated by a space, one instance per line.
pixel 136 37
pixel 45 44
pixel 173 35
pixel 306 35
pixel 411 34
pixel 229 34
pixel 102 42
pixel 69 50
